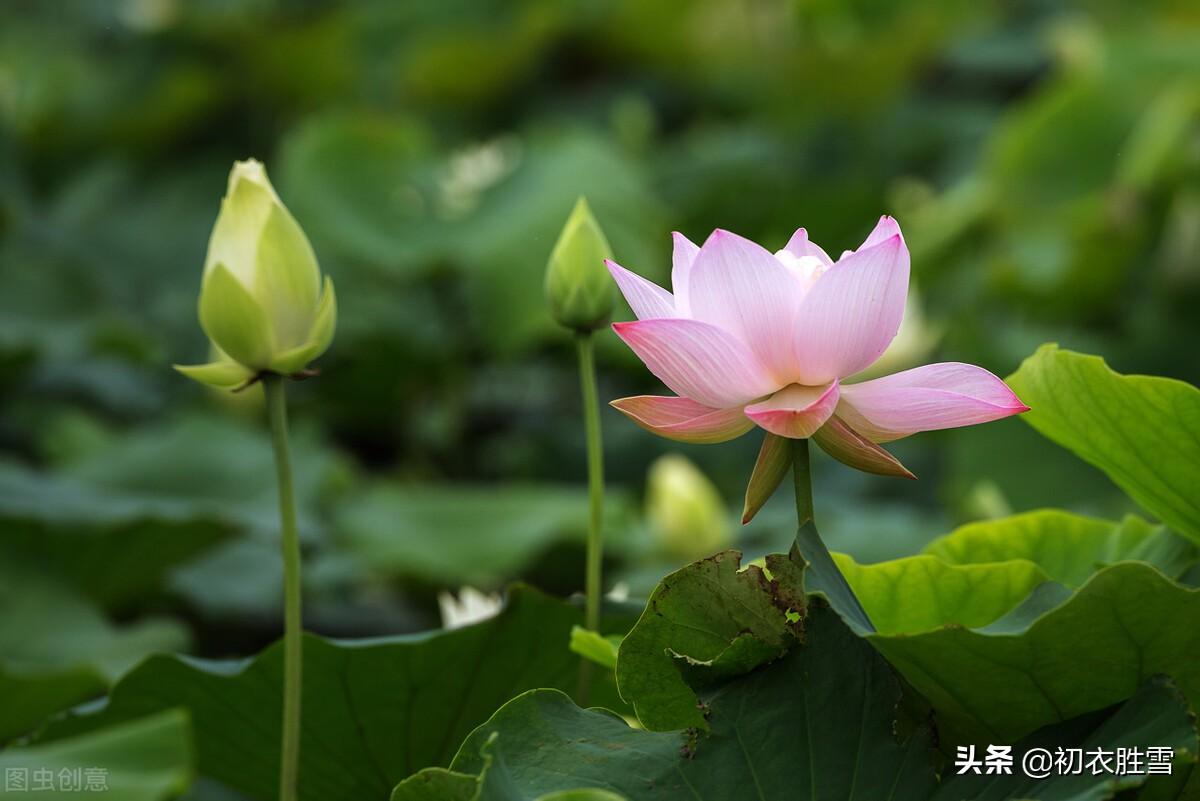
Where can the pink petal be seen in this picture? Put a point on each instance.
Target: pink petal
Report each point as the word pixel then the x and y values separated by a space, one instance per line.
pixel 698 361
pixel 885 229
pixel 928 398
pixel 683 419
pixel 800 246
pixel 682 258
pixel 795 411
pixel 850 447
pixel 852 312
pixel 743 289
pixel 647 299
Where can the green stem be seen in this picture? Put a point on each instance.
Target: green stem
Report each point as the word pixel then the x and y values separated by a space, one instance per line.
pixel 823 574
pixel 802 477
pixel 595 458
pixel 289 764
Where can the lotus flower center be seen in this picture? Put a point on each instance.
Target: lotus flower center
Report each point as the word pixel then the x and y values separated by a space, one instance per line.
pixel 807 268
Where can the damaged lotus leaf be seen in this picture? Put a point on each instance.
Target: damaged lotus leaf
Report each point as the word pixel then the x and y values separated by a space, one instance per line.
pixel 541 741
pixel 709 619
pixel 816 723
pixel 825 719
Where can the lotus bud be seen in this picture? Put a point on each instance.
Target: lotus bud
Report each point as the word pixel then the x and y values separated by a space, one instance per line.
pixel 578 287
pixel 685 510
pixel 263 303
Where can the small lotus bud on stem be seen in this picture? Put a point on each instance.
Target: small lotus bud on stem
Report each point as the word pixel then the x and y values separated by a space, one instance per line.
pixel 580 295
pixel 578 288
pixel 263 303
pixel 267 314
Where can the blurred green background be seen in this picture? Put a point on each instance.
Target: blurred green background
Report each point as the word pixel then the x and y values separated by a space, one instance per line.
pixel 1043 159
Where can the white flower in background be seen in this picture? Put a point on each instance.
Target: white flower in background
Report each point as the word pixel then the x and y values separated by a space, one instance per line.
pixel 619 592
pixel 471 606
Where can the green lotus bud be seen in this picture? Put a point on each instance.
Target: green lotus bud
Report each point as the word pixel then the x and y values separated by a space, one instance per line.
pixel 262 301
pixel 578 287
pixel 684 509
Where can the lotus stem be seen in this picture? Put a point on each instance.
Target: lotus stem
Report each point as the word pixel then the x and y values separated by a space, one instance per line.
pixel 595 462
pixel 802 476
pixel 289 765
pixel 809 543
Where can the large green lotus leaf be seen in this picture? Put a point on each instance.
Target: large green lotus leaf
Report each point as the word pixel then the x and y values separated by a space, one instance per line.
pixel 374 710
pixel 116 520
pixel 433 532
pixel 31 695
pixel 709 616
pixel 1067 546
pixel 205 789
pixel 57 649
pixel 210 465
pixel 439 784
pixel 1156 715
pixel 1142 431
pixel 113 545
pixel 1056 655
pixel 805 726
pixel 528 747
pixel 1182 785
pixel 147 759
pixel 921 593
pixel 816 723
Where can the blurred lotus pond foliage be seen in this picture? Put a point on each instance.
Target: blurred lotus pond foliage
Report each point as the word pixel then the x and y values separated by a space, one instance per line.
pixel 1043 158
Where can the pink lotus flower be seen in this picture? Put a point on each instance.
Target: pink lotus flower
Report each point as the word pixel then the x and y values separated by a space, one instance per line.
pixel 750 338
